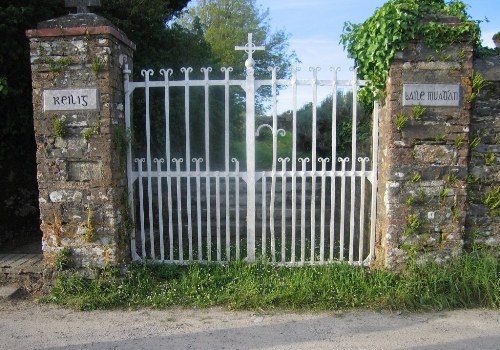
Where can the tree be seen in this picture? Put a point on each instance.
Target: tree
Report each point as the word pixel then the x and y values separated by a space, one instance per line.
pixel 226 23
pixel 374 43
pixel 145 24
pixel 324 125
pixel 19 195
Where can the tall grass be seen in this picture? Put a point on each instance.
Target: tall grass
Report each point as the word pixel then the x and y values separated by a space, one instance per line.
pixel 467 281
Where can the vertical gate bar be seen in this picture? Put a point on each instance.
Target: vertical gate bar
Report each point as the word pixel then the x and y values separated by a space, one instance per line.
pixel 313 161
pixel 250 48
pixel 209 222
pixel 206 71
pixel 264 219
pixel 179 206
pixel 294 160
pixel 303 212
pixel 271 212
pixel 237 200
pixel 146 74
pixel 207 165
pixel 166 74
pixel 353 162
pixel 130 179
pixel 198 207
pixel 342 206
pixel 334 162
pixel 226 158
pixel 275 158
pixel 141 206
pixel 322 210
pixel 374 179
pixel 170 209
pixel 160 205
pixel 188 158
pixel 362 209
pixel 283 208
pixel 217 211
pixel 228 219
pixel 250 159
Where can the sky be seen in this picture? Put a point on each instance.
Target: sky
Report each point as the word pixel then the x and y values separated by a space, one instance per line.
pixel 315 27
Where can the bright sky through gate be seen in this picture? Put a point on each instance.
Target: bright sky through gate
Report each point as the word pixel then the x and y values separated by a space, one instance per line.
pixel 315 27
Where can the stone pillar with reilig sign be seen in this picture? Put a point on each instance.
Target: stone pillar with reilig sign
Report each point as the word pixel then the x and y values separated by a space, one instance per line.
pixel 78 96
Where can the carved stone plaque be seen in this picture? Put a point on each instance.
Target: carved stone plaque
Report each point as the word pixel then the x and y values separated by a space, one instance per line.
pixel 445 95
pixel 71 100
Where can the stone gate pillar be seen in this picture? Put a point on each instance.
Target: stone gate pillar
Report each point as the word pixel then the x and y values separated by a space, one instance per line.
pixel 80 135
pixel 424 128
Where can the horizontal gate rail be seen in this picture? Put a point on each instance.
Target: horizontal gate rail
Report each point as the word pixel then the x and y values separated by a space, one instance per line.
pixel 305 210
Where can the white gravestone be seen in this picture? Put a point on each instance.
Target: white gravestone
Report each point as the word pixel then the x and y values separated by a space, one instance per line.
pixel 71 100
pixel 444 95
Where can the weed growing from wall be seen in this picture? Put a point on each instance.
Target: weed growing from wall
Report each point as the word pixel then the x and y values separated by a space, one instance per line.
pixel 62 259
pixel 418 112
pixel 400 120
pixel 60 127
pixel 492 201
pixel 92 131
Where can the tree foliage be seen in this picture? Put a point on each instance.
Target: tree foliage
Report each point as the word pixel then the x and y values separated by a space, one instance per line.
pixel 226 23
pixel 18 197
pixel 324 125
pixel 374 43
pixel 145 24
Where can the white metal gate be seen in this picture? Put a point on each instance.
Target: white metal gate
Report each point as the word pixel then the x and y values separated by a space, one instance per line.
pixel 304 210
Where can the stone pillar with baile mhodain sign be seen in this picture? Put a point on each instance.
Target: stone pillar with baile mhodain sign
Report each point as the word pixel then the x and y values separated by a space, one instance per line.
pixel 77 63
pixel 425 121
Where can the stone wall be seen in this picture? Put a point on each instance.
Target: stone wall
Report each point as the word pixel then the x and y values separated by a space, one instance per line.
pixel 81 173
pixel 423 158
pixel 483 217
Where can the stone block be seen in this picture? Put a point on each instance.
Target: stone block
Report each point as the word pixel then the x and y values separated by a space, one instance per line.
pixel 434 154
pixel 84 171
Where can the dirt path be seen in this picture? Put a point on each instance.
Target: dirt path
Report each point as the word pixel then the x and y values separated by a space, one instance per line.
pixel 27 325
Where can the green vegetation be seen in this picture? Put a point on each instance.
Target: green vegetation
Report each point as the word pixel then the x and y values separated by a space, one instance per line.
pixel 57 67
pixel 97 65
pixel 60 127
pixel 475 142
pixel 63 258
pixel 492 201
pixel 413 224
pixel 418 112
pixel 445 191
pixel 264 150
pixel 467 281
pixel 92 131
pixel 400 120
pixel 416 177
pixel 459 141
pixel 374 43
pixel 226 24
pixel 489 158
pixel 89 230
pixel 478 83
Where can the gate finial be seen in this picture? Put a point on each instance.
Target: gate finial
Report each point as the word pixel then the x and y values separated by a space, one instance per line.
pixel 250 48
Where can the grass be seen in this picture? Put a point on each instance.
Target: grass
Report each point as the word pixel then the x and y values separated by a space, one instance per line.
pixel 468 281
pixel 264 150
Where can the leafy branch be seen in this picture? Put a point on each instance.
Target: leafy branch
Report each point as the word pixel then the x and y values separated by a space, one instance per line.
pixel 374 43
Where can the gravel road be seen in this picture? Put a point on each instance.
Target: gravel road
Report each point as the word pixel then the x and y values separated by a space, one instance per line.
pixel 25 324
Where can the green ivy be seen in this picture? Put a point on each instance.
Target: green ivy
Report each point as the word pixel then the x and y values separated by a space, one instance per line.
pixel 374 43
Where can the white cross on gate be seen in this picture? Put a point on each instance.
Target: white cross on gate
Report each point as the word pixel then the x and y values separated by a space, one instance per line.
pixel 250 48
